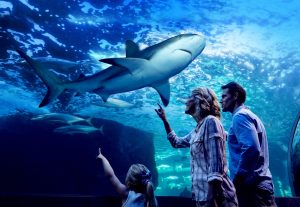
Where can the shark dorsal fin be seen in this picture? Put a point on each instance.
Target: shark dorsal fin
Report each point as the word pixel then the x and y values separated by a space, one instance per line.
pixel 132 49
pixel 163 88
pixel 131 64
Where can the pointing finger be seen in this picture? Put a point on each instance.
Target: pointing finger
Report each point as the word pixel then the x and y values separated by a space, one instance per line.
pixel 159 105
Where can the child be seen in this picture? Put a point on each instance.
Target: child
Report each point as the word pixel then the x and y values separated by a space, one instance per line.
pixel 138 191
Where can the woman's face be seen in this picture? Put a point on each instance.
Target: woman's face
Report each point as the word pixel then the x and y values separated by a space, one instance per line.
pixel 190 105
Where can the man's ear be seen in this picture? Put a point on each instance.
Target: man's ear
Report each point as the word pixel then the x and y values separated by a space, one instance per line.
pixel 235 96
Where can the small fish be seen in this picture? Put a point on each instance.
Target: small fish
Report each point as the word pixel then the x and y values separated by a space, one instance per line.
pixel 171 177
pixel 78 129
pixel 187 178
pixel 164 168
pixel 173 185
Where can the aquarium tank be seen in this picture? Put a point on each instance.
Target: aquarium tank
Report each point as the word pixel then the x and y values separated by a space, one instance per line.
pixel 51 131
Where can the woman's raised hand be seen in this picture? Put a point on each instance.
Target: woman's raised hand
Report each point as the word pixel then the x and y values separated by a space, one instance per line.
pixel 161 112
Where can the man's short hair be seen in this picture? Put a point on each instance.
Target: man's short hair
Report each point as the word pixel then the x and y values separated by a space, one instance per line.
pixel 233 88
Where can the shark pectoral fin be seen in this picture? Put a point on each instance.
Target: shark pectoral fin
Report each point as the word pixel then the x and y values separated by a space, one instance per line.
pixel 99 91
pixel 131 64
pixel 163 88
pixel 132 49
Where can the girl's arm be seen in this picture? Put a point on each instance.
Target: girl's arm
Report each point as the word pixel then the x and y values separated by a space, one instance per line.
pixel 109 172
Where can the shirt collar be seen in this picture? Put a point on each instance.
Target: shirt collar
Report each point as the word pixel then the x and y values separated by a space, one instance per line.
pixel 239 108
pixel 200 124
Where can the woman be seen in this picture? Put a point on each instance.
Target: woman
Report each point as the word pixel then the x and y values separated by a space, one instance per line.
pixel 138 189
pixel 211 185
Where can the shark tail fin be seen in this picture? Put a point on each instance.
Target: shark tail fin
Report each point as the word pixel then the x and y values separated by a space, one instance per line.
pixel 53 92
pixel 89 121
pixel 54 84
pixel 100 129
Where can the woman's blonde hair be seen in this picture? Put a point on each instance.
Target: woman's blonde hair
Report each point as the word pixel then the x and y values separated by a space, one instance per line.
pixel 206 102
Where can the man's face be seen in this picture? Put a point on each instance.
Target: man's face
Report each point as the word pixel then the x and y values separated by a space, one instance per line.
pixel 227 101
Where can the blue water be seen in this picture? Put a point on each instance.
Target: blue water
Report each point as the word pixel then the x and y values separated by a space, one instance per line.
pixel 256 43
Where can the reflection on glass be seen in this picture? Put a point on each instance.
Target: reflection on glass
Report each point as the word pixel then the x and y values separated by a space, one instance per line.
pixel 294 153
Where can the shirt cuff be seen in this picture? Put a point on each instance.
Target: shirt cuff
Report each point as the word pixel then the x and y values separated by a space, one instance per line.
pixel 171 134
pixel 214 176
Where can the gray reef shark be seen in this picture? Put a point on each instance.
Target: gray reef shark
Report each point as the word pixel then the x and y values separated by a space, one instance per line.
pixel 149 67
pixel 61 118
pixel 78 129
pixel 59 65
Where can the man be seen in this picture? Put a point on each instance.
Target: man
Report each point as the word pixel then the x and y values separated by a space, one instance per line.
pixel 248 151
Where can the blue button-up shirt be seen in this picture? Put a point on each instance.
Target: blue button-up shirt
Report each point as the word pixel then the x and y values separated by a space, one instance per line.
pixel 248 149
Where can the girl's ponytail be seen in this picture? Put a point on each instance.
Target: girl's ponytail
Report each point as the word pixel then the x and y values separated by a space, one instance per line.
pixel 150 198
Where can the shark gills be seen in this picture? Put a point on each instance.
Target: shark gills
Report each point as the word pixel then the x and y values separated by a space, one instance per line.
pixel 149 67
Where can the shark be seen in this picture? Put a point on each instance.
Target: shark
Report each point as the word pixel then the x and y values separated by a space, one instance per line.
pixel 57 64
pixel 78 129
pixel 152 66
pixel 61 118
pixel 60 65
